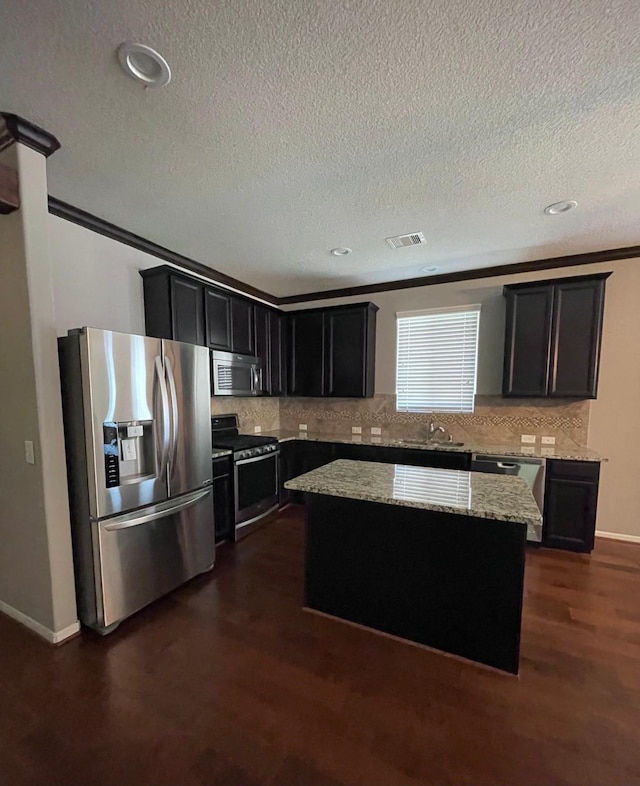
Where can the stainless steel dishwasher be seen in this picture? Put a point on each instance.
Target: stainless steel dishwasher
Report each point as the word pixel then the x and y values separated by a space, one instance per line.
pixel 532 469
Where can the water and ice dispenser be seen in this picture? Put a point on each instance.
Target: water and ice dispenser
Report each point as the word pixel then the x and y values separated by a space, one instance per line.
pixel 129 455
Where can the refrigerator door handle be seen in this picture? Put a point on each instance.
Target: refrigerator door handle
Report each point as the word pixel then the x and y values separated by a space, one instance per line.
pixel 165 417
pixel 173 397
pixel 158 512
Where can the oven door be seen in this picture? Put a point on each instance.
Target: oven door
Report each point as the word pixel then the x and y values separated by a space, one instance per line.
pixel 256 490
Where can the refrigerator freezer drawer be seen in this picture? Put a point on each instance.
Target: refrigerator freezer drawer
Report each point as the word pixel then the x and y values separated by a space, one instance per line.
pixel 151 552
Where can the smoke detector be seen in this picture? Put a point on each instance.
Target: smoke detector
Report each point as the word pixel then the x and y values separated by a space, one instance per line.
pixel 404 241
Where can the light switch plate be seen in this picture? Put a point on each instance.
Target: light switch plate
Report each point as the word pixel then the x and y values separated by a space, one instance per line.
pixel 375 431
pixel 302 426
pixel 356 429
pixel 29 455
pixel 548 440
pixel 529 439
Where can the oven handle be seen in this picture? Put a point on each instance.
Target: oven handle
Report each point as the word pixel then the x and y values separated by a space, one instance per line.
pixel 273 453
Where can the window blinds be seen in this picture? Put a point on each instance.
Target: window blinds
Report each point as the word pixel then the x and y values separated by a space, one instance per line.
pixel 437 356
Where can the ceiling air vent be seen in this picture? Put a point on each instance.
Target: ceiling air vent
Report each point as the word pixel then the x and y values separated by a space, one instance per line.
pixel 404 241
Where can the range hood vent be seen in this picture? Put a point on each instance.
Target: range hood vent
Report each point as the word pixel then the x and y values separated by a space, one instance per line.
pixel 404 241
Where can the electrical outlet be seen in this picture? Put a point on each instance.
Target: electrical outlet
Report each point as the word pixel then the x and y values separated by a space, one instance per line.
pixel 548 451
pixel 302 426
pixel 356 438
pixel 529 439
pixel 356 429
pixel 376 440
pixel 548 440
pixel 375 431
pixel 257 429
pixel 528 451
pixel 29 455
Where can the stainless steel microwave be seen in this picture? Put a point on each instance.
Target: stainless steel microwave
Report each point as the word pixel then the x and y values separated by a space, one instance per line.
pixel 235 375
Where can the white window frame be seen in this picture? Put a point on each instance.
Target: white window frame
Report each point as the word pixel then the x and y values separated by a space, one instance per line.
pixel 455 395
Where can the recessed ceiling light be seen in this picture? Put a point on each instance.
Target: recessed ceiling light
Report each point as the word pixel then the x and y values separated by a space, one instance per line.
pixel 341 251
pixel 431 269
pixel 144 64
pixel 560 207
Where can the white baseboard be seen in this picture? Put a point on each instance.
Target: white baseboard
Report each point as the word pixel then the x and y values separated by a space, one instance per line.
pixel 618 536
pixel 54 637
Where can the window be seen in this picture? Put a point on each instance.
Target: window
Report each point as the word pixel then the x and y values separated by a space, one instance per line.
pixel 437 358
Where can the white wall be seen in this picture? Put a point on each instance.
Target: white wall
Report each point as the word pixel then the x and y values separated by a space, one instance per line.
pixel 96 279
pixel 36 568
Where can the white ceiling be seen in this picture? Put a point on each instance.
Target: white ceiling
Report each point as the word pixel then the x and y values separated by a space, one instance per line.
pixel 293 126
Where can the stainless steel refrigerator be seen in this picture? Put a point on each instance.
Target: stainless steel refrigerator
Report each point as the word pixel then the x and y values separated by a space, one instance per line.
pixel 138 443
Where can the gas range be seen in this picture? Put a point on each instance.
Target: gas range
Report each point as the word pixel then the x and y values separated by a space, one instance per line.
pixel 224 434
pixel 256 472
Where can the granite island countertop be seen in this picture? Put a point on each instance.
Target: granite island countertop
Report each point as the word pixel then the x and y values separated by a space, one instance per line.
pixel 537 451
pixel 476 494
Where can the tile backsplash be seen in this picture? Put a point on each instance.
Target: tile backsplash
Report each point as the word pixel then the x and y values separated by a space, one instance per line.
pixel 495 420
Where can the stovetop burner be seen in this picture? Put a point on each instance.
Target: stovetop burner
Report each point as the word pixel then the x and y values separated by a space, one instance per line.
pixel 224 434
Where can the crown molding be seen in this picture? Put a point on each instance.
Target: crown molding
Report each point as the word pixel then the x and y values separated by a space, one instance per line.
pixel 87 220
pixel 17 129
pixel 590 258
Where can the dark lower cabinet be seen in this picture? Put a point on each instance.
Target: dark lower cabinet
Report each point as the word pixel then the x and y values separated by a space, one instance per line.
pixel 223 509
pixel 571 499
pixel 287 469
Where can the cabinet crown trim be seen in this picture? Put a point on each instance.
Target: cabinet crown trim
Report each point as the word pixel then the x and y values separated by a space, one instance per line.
pixel 554 281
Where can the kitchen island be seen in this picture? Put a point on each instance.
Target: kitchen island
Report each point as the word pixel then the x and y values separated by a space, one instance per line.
pixel 434 556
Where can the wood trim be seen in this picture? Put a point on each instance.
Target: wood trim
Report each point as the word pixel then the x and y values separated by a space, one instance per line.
pixel 590 258
pixel 9 191
pixel 29 134
pixel 102 227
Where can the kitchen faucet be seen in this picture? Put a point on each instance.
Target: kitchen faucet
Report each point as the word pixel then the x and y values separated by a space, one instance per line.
pixel 432 429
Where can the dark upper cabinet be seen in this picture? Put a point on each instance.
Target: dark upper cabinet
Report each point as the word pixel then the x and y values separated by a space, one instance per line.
pixel 277 355
pixel 571 499
pixel 173 306
pixel 217 313
pixel 242 330
pixel 305 338
pixel 349 351
pixel 553 335
pixel 527 341
pixel 331 351
pixel 262 341
pixel 578 308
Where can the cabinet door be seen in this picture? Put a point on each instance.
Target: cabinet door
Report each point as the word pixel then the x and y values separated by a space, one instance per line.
pixel 306 347
pixel 187 310
pixel 217 309
pixel 287 469
pixel 242 335
pixel 571 499
pixel 577 326
pixel 276 354
pixel 223 517
pixel 527 341
pixel 346 353
pixel 262 341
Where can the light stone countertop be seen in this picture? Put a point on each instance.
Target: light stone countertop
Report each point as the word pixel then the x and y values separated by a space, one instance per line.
pixel 499 497
pixel 538 451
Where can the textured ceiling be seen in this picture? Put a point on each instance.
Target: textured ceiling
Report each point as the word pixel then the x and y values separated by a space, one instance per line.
pixel 292 126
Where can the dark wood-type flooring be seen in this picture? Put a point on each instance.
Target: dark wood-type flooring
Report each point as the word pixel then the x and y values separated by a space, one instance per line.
pixel 228 681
